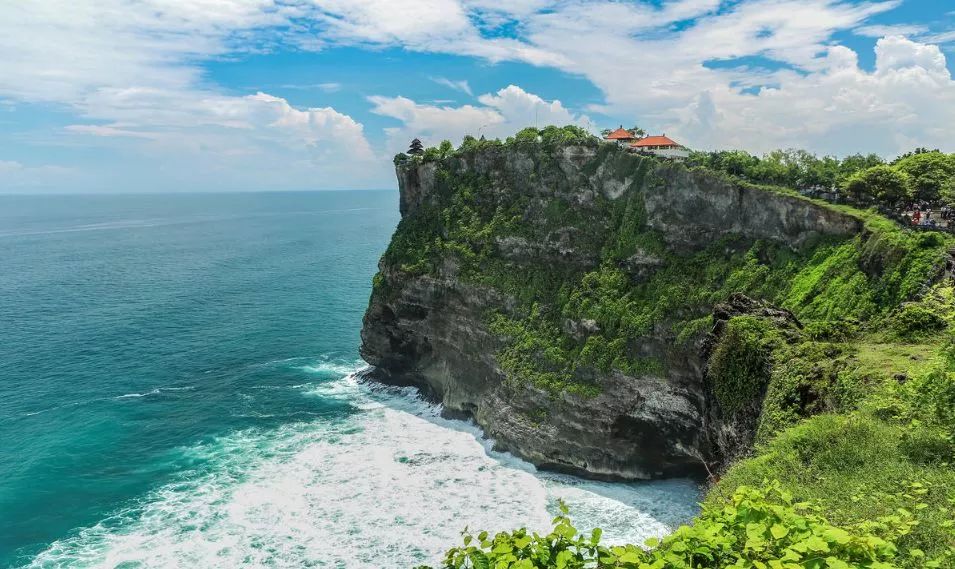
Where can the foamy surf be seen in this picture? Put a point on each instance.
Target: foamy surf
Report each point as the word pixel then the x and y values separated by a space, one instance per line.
pixel 391 485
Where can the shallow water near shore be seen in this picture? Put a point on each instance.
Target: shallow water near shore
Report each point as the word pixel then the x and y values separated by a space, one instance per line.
pixel 177 388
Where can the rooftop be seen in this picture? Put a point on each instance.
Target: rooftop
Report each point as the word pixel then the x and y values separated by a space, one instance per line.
pixel 655 141
pixel 621 134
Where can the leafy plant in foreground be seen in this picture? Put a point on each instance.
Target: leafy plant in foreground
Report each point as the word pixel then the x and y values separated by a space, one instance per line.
pixel 761 529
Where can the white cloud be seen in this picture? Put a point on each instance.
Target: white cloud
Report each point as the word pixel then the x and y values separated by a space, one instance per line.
pixel 811 93
pixel 130 72
pixel 459 85
pixel 908 100
pixel 18 177
pixel 941 37
pixel 501 114
pixel 880 31
pixel 520 108
pixel 330 87
pixel 9 165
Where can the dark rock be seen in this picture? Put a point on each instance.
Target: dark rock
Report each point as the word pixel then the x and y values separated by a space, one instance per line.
pixel 430 331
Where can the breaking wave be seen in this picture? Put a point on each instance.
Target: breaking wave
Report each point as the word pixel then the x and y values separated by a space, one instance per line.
pixel 390 485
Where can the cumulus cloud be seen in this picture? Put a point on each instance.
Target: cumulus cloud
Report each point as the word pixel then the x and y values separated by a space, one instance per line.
pixel 499 115
pixel 755 74
pixel 131 73
pixel 685 80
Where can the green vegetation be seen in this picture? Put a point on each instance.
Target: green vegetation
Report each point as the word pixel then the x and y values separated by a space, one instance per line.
pixel 741 363
pixel 789 168
pixel 763 529
pixel 923 175
pixel 887 184
pixel 853 414
pixel 862 425
pixel 468 222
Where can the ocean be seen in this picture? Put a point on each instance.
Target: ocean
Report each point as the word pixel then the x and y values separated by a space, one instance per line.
pixel 177 389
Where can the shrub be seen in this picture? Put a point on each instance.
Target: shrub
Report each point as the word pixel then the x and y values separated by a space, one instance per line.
pixel 754 528
pixel 832 330
pixel 740 364
pixel 932 175
pixel 885 183
pixel 857 469
pixel 915 321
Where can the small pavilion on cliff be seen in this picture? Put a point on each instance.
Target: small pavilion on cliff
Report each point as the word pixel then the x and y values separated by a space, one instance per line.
pixel 622 136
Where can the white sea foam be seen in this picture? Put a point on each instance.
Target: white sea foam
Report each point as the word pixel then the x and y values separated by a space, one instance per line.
pixel 391 485
pixel 156 391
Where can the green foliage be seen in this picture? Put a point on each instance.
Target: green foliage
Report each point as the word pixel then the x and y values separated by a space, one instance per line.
pixel 932 175
pixel 852 418
pixel 791 168
pixel 889 452
pixel 740 363
pixel 832 330
pixel 914 321
pixel 857 468
pixel 758 528
pixel 887 184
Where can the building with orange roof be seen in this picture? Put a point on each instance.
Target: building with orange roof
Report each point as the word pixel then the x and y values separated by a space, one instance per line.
pixel 622 136
pixel 662 146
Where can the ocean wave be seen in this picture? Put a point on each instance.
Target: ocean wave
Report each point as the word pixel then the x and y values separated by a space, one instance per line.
pixel 390 486
pixel 157 391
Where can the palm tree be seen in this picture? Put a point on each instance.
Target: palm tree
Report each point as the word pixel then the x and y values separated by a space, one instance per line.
pixel 416 148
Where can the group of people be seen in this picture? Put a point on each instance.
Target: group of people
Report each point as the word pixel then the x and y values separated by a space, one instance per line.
pixel 922 215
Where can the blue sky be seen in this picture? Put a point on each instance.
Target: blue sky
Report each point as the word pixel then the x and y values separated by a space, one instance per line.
pixel 218 95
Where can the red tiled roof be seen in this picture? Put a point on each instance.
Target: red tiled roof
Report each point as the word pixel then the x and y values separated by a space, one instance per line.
pixel 621 134
pixel 655 141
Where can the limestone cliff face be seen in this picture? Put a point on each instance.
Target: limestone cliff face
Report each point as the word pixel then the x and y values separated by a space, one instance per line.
pixel 568 211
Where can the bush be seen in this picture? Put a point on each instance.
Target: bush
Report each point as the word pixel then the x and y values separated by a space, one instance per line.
pixel 915 321
pixel 740 365
pixel 831 330
pixel 753 528
pixel 932 175
pixel 884 183
pixel 858 470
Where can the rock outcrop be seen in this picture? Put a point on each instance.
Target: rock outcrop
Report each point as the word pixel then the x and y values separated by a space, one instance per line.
pixel 577 209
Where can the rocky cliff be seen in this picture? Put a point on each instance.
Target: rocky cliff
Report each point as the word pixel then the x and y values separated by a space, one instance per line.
pixel 561 294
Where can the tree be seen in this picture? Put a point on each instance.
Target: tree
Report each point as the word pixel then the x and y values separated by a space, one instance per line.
pixel 529 134
pixel 637 132
pixel 445 149
pixel 856 163
pixel 916 152
pixel 736 162
pixel 884 183
pixel 773 168
pixel 416 148
pixel 932 174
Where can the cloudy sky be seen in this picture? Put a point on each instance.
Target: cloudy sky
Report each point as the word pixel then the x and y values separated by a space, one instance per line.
pixel 217 95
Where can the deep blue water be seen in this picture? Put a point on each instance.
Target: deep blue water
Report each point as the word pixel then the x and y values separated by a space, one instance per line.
pixel 175 391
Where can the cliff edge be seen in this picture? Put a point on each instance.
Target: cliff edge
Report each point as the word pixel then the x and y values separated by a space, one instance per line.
pixel 562 296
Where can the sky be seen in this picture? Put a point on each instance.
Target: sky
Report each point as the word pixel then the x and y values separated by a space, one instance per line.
pixel 252 95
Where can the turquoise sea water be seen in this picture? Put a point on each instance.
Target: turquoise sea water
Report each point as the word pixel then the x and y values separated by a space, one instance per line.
pixel 176 391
